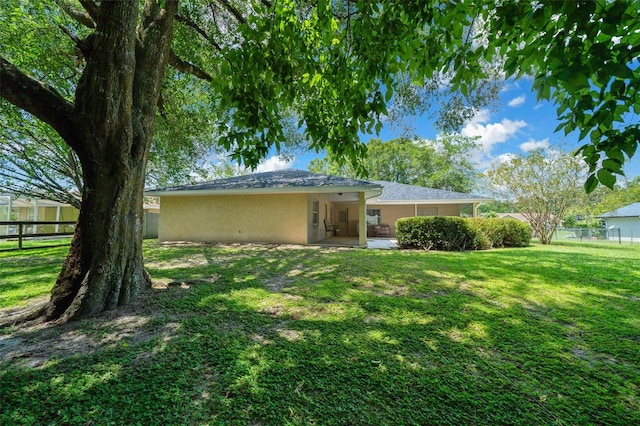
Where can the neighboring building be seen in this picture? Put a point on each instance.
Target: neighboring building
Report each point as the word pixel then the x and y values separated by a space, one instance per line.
pixel 516 216
pixel 16 209
pixel 299 207
pixel 20 209
pixel 626 218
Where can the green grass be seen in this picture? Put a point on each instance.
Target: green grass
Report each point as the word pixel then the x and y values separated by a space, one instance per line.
pixel 33 243
pixel 272 336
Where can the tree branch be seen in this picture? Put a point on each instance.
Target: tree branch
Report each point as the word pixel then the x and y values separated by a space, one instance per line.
pixel 39 99
pixel 235 12
pixel 91 7
pixel 189 23
pixel 79 16
pixel 187 67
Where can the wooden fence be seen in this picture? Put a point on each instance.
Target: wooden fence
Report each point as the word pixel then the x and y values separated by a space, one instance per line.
pixel 15 235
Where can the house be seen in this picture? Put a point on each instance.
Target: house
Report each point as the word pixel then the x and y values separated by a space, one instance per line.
pixel 298 207
pixel 626 219
pixel 516 216
pixel 17 209
pixel 400 200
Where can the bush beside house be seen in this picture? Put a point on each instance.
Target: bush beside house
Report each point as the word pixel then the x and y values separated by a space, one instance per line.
pixel 503 232
pixel 458 234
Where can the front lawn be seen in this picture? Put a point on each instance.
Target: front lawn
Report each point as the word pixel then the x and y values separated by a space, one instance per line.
pixel 267 335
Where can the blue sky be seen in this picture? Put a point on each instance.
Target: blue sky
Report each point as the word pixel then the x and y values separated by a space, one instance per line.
pixel 518 124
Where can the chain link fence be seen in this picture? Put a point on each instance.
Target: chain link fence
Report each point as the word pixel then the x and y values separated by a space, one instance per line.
pixel 598 235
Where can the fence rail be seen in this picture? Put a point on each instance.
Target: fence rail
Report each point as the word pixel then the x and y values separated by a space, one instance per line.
pixel 595 235
pixel 14 235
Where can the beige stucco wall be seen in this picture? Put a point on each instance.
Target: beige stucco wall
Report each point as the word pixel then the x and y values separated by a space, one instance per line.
pixel 281 218
pixel 389 214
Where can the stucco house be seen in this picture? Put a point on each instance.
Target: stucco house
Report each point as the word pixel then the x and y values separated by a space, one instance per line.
pixel 13 208
pixel 298 207
pixel 626 218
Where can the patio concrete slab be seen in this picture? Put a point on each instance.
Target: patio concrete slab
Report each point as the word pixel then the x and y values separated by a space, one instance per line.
pixel 382 244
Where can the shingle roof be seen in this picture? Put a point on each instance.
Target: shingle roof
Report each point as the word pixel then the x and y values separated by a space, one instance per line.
pixel 393 191
pixel 290 180
pixel 280 179
pixel 632 210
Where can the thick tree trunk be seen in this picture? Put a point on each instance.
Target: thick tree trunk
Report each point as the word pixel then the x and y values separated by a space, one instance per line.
pixel 113 118
pixel 104 268
pixel 109 126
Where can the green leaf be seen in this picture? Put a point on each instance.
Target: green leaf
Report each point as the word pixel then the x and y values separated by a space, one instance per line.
pixel 606 178
pixel 612 165
pixel 590 184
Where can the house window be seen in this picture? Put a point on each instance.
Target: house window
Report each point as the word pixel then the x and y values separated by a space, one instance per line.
pixel 466 210
pixel 373 216
pixel 315 212
pixel 427 211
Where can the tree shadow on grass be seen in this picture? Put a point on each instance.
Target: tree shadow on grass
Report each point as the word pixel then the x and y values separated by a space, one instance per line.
pixel 360 339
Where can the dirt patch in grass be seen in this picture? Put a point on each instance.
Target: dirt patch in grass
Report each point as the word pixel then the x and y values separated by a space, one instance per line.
pixel 35 345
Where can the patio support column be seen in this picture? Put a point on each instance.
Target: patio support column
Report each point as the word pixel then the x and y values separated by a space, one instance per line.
pixel 57 217
pixel 475 209
pixel 362 220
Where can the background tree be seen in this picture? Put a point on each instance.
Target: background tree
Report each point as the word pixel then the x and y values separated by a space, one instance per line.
pixel 542 186
pixel 444 163
pixel 621 195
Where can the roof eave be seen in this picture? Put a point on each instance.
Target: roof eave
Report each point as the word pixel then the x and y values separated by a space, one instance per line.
pixel 252 191
pixel 433 201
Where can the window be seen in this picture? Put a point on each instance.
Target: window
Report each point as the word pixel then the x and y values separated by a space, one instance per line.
pixel 466 210
pixel 427 211
pixel 373 216
pixel 315 212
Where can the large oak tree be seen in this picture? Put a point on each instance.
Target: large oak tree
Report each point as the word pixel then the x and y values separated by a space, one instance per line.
pixel 335 64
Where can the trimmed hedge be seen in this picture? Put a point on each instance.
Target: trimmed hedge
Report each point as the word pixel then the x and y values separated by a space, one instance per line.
pixel 450 233
pixel 503 232
pixel 439 233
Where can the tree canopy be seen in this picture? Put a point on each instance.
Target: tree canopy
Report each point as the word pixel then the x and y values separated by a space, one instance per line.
pixel 443 163
pixel 584 57
pixel 541 185
pixel 99 73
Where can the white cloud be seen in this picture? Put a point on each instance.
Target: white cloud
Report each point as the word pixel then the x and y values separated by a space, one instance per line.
pixel 274 163
pixel 517 101
pixel 531 145
pixel 489 134
pixel 504 158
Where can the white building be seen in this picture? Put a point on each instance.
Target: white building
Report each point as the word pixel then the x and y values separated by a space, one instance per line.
pixel 626 219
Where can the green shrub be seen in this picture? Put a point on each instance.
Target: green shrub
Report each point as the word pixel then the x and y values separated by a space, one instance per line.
pixel 457 234
pixel 503 232
pixel 439 233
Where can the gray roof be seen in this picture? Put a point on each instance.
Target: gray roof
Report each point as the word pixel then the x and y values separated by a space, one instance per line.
pixel 632 210
pixel 278 180
pixel 393 191
pixel 298 180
